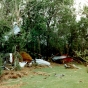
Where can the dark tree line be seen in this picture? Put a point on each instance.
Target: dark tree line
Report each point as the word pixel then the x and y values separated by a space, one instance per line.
pixel 48 27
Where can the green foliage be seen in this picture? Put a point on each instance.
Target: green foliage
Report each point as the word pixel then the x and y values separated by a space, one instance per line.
pixel 47 26
pixel 4 27
pixel 16 65
pixel 85 11
pixel 48 21
pixel 17 58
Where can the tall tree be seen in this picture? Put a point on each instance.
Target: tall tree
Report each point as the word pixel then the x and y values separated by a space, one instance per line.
pixel 46 20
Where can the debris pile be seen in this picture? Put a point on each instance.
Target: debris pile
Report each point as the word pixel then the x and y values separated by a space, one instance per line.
pixel 12 75
pixel 72 66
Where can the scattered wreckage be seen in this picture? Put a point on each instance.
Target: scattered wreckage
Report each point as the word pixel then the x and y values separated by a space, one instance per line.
pixel 71 66
pixel 40 62
pixel 25 60
pixel 62 59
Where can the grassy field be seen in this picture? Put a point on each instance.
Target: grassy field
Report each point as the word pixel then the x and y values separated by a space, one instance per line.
pixel 55 77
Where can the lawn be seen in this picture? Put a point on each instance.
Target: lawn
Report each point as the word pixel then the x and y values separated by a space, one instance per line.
pixel 46 77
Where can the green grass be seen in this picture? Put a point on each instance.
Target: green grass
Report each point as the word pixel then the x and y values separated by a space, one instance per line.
pixel 73 78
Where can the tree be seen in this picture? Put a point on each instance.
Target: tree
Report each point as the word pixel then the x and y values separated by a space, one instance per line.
pixel 10 13
pixel 47 26
pixel 48 21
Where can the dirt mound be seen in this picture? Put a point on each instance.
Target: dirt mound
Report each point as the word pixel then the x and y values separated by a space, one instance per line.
pixel 41 73
pixel 12 75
